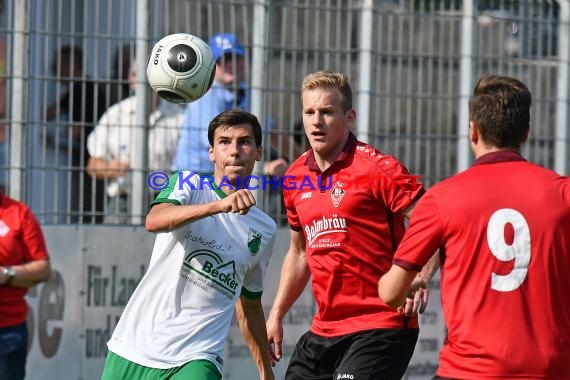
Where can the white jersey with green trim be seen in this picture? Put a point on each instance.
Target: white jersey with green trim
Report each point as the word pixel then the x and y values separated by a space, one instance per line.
pixel 183 306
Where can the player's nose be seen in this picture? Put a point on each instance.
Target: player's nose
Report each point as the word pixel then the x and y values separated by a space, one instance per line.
pixel 233 148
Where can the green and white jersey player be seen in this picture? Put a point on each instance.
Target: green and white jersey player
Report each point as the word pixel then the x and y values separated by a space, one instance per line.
pixel 211 252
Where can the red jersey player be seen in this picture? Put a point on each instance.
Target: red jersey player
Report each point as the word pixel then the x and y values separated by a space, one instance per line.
pixel 503 230
pixel 345 205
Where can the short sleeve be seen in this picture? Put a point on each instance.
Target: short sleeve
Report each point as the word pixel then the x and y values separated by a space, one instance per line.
pixel 565 186
pixel 394 184
pixel 423 237
pixel 292 216
pixel 180 189
pixel 253 279
pixel 33 238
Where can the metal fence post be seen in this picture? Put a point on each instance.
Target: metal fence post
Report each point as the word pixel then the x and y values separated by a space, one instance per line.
pixel 365 70
pixel 466 84
pixel 18 100
pixel 138 167
pixel 259 82
pixel 561 130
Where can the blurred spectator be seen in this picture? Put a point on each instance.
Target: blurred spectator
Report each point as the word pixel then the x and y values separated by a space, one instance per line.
pixel 299 135
pixel 121 65
pixel 111 147
pixel 24 262
pixel 73 117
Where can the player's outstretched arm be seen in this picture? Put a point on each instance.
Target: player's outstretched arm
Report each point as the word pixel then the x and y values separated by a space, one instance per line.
pixel 168 216
pixel 251 320
pixel 295 275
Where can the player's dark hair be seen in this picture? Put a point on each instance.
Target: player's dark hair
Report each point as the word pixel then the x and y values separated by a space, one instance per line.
pixel 329 79
pixel 501 108
pixel 235 117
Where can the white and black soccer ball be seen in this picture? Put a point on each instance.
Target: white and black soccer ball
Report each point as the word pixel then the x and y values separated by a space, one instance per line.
pixel 181 68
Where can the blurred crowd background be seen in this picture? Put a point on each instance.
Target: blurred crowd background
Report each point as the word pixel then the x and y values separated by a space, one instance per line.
pixel 412 63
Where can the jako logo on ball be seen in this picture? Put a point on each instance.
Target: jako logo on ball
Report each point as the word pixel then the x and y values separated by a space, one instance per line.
pixel 181 68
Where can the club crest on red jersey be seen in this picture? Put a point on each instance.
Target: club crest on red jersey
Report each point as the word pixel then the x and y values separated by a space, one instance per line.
pixel 337 194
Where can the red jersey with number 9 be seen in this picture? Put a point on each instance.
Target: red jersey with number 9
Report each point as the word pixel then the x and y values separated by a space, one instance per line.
pixel 503 230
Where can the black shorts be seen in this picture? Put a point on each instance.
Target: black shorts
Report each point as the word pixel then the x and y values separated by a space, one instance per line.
pixel 364 355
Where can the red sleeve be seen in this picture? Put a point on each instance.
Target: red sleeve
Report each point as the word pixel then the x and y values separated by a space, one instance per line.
pixel 292 216
pixel 565 185
pixel 32 238
pixel 394 184
pixel 423 237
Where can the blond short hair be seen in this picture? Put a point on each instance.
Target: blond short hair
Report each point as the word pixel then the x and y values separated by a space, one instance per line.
pixel 330 79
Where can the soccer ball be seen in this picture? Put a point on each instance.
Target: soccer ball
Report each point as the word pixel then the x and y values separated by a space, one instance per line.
pixel 181 68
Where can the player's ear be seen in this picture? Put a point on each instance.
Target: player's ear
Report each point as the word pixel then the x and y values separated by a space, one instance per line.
pixel 211 153
pixel 259 154
pixel 473 132
pixel 525 136
pixel 350 118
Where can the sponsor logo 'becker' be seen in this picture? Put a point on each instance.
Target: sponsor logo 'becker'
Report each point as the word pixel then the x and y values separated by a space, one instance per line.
pixel 210 271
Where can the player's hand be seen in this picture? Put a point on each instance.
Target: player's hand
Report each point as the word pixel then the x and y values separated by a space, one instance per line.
pixel 275 338
pixel 417 298
pixel 238 202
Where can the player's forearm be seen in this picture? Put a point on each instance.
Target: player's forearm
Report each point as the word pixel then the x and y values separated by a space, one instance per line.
pixel 166 217
pixel 295 275
pixel 394 285
pixel 251 321
pixel 430 268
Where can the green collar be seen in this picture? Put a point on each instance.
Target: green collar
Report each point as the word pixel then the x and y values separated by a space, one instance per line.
pixel 216 189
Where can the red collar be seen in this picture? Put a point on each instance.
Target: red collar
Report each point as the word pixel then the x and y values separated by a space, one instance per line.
pixel 499 156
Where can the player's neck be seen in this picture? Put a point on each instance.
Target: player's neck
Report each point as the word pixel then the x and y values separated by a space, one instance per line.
pixel 483 150
pixel 325 160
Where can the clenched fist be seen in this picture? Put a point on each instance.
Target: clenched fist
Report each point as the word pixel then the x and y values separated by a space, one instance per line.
pixel 240 201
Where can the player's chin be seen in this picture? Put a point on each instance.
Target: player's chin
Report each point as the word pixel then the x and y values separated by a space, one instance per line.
pixel 321 148
pixel 236 176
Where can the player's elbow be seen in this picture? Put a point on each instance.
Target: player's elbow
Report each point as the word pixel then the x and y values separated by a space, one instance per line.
pixel 388 295
pixel 159 219
pixel 392 302
pixel 152 224
pixel 389 299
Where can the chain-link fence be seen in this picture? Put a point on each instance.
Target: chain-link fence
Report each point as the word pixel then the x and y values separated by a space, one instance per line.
pixel 413 64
